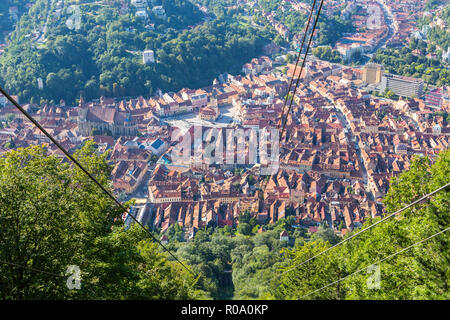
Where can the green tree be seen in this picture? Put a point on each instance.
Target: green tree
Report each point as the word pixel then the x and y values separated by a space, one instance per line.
pixel 325 234
pixel 244 228
pixel 418 273
pixel 53 216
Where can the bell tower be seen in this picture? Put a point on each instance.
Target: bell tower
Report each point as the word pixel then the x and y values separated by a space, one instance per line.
pixel 82 109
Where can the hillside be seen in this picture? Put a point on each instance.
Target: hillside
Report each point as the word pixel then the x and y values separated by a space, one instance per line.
pixel 10 13
pixel 104 56
pixel 193 42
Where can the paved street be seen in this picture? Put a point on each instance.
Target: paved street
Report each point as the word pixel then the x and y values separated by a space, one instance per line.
pixel 184 122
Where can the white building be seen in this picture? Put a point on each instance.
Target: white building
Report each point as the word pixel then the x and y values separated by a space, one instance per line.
pixel 402 86
pixel 141 14
pixel 148 56
pixel 158 147
pixel 159 12
pixel 284 236
pixel 446 55
pixel 138 3
pixel 347 51
pixel 437 129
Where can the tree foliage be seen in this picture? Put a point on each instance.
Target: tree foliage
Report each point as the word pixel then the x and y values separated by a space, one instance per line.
pixel 403 62
pixel 53 216
pixel 327 54
pixel 419 273
pixel 104 57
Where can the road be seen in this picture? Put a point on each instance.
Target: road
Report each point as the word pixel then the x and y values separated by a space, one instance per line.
pixel 389 19
pixel 346 125
pixel 42 39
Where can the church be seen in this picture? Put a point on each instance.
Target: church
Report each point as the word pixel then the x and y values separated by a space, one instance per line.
pixel 104 118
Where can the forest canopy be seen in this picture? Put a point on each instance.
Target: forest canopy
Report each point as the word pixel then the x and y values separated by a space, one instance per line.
pixel 60 218
pixel 104 57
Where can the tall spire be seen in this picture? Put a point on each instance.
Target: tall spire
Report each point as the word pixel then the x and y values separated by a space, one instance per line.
pixel 81 100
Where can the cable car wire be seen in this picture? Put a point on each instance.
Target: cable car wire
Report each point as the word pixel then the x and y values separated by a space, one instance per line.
pixel 375 263
pixel 296 64
pixel 71 158
pixel 301 69
pixel 32 269
pixel 364 230
pixel 263 189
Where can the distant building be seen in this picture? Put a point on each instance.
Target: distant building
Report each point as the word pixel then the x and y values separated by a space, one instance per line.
pixel 284 236
pixel 372 73
pixel 199 100
pixel 435 98
pixel 446 55
pixel 159 12
pixel 402 86
pixel 138 3
pixel 104 119
pixel 164 239
pixel 418 35
pixel 141 212
pixel 158 147
pixel 148 56
pixel 210 112
pixel 437 129
pixel 141 14
pixel 348 50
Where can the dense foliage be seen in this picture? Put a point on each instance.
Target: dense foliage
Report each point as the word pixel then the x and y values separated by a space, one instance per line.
pixel 418 273
pixel 53 216
pixel 433 4
pixel 104 57
pixel 241 262
pixel 403 62
pixel 329 29
pixel 7 20
pixel 327 54
pixel 438 36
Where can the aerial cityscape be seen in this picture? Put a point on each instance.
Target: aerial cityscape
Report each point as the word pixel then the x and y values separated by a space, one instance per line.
pixel 146 89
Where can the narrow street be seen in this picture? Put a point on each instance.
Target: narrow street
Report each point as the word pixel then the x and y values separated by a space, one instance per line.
pixel 353 139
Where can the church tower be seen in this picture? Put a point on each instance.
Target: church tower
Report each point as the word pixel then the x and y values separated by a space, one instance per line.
pixel 214 104
pixel 82 117
pixel 82 109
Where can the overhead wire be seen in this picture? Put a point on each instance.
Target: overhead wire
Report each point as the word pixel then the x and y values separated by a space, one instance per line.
pixel 363 230
pixel 303 65
pixel 376 223
pixel 298 60
pixel 32 269
pixel 378 262
pixel 73 160
pixel 263 188
pixel 91 177
pixel 281 137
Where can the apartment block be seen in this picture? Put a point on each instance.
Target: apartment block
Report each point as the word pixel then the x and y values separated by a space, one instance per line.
pixel 402 86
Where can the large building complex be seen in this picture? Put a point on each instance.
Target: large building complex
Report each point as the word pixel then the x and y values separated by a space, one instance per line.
pixel 104 118
pixel 402 86
pixel 148 56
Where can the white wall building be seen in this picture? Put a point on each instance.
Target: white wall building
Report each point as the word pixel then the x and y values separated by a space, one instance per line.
pixel 148 56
